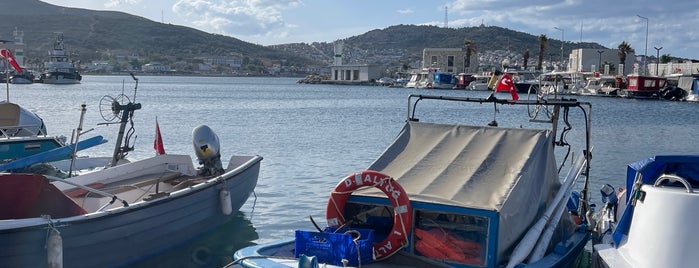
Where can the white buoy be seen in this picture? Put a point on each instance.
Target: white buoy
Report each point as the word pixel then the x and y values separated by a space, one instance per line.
pixel 54 249
pixel 225 197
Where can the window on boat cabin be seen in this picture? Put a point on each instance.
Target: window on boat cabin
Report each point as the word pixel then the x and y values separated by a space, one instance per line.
pixel 433 61
pixel 649 83
pixel 461 238
pixel 633 82
pixel 355 74
pixel 450 64
pixel 347 75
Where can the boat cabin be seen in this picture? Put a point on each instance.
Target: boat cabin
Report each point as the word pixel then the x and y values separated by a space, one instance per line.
pixel 463 79
pixel 474 213
pixel 644 86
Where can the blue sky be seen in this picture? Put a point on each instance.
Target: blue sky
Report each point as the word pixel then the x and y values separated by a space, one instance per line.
pixel 671 26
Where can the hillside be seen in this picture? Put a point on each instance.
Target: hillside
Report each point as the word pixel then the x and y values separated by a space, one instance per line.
pixel 90 33
pixel 403 44
pixel 96 35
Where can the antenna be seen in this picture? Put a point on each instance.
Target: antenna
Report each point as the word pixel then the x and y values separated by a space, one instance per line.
pixel 446 17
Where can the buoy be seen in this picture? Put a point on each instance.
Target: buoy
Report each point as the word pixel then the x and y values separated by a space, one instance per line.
pixel 402 209
pixel 225 197
pixel 54 249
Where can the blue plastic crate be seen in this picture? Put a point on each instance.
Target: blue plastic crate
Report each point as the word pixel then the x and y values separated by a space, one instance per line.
pixel 331 247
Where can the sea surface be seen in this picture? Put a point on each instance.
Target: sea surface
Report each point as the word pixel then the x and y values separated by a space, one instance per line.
pixel 312 136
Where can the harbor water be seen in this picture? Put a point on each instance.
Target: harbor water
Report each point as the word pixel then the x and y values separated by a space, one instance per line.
pixel 312 136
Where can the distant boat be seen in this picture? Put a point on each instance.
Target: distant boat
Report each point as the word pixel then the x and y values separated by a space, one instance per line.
pixel 643 87
pixel 600 85
pixel 417 79
pixel 480 82
pixel 22 78
pixel 59 68
pixel 682 88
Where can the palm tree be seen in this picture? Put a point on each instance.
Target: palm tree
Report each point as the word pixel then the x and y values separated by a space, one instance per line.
pixel 470 48
pixel 526 59
pixel 624 48
pixel 543 41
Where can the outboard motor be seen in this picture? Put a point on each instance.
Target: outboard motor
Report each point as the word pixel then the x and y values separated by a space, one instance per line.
pixel 207 149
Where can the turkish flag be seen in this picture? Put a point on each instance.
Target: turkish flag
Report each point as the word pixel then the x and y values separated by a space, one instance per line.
pixel 506 84
pixel 158 142
pixel 11 59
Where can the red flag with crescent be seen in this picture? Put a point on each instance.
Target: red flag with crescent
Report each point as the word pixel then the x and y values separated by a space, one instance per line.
pixel 506 84
pixel 11 59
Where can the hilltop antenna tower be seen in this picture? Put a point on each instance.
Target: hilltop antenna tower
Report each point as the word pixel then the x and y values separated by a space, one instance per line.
pixel 446 17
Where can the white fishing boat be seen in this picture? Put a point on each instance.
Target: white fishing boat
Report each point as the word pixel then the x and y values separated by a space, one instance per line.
pixel 60 69
pixel 684 87
pixel 480 83
pixel 452 195
pixel 649 222
pixel 123 213
pixel 23 136
pixel 417 80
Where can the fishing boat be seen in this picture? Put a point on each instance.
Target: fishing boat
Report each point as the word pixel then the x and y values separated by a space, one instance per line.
pixel 59 68
pixel 23 133
pixel 123 213
pixel 649 221
pixel 643 87
pixel 603 85
pixel 24 140
pixel 683 87
pixel 454 195
pixel 480 82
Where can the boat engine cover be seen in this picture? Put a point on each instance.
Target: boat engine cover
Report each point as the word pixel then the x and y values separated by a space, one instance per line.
pixel 206 144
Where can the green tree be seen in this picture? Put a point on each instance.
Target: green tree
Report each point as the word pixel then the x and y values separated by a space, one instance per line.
pixel 624 49
pixel 470 48
pixel 526 58
pixel 543 41
pixel 665 58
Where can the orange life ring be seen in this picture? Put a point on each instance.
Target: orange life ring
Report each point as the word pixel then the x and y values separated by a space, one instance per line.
pixel 402 210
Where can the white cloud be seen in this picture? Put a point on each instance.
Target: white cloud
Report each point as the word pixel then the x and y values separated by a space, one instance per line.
pixel 237 17
pixel 114 3
pixel 405 11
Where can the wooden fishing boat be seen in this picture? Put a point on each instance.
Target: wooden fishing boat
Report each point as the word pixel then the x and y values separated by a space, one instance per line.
pixel 123 213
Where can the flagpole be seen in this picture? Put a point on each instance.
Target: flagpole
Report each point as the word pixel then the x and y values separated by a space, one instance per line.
pixel 7 79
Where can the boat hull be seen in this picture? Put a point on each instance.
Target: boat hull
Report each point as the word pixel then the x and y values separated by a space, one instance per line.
pixel 60 78
pixel 17 148
pixel 567 254
pixel 118 237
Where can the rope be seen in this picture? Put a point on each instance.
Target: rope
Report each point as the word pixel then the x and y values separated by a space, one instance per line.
pixel 356 244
